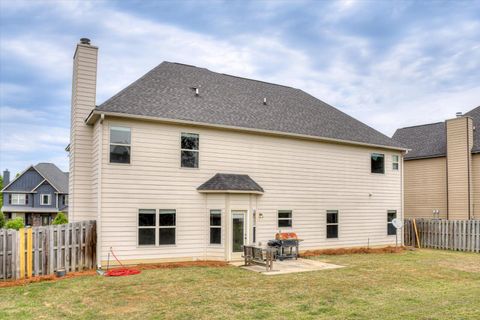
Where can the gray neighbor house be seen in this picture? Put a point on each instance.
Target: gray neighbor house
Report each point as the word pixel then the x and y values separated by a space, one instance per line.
pixel 36 195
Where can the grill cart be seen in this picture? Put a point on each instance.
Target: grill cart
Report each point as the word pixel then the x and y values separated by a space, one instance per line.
pixel 286 245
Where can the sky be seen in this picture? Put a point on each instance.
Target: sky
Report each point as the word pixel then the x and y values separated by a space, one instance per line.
pixel 389 64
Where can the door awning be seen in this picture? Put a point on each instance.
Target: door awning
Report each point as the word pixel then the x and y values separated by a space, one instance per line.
pixel 230 183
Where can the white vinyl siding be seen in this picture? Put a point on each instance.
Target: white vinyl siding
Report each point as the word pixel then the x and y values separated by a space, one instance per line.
pixel 296 174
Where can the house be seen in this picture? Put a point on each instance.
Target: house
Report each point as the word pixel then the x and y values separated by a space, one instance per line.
pixel 36 195
pixel 442 170
pixel 186 163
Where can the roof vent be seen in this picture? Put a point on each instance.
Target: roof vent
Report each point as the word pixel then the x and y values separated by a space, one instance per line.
pixel 85 41
pixel 265 101
pixel 458 114
pixel 197 92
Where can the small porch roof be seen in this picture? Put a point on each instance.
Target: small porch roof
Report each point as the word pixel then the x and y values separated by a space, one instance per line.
pixel 230 183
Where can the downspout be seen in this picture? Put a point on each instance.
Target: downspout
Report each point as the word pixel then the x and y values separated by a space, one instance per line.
pixel 402 197
pixel 99 194
pixel 469 154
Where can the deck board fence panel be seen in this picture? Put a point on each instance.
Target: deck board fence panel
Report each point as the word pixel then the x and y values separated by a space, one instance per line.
pixel 457 235
pixel 71 247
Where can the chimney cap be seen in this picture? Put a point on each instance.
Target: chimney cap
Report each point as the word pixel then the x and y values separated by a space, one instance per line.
pixel 85 41
pixel 458 114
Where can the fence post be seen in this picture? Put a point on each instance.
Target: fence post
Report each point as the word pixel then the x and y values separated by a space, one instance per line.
pixel 29 252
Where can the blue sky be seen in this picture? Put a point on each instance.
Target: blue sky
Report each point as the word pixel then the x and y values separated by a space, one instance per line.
pixel 390 64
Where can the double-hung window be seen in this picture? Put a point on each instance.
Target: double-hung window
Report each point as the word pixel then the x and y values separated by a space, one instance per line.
pixel 215 227
pixel 18 198
pixel 377 163
pixel 156 228
pixel 395 162
pixel 332 224
pixel 190 147
pixel 45 199
pixel 120 145
pixel 284 218
pixel 391 230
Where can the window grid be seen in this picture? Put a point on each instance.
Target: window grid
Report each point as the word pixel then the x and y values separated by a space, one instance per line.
pixel 215 229
pixel 44 197
pixel 190 152
pixel 127 145
pixel 395 162
pixel 19 199
pixel 155 238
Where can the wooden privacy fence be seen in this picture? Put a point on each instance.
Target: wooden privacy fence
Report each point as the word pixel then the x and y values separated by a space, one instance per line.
pixel 44 250
pixel 459 235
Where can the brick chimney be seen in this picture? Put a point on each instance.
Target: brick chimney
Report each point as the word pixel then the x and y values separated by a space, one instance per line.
pixel 81 204
pixel 459 167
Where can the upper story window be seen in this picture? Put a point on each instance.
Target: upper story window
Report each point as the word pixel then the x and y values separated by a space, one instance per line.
pixel 189 150
pixel 395 162
pixel 18 198
pixel 120 144
pixel 285 218
pixel 378 163
pixel 45 199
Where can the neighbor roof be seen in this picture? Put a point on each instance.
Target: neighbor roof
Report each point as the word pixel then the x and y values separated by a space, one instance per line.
pixel 168 92
pixel 54 175
pixel 50 172
pixel 429 140
pixel 231 182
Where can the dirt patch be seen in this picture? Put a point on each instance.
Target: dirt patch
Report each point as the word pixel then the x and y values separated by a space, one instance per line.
pixel 166 265
pixel 312 253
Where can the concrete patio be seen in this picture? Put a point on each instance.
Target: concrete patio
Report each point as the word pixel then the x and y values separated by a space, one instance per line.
pixel 289 266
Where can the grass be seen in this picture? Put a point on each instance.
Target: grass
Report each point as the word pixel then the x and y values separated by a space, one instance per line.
pixel 422 284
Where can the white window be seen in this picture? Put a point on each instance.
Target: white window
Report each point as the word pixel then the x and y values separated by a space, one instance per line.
pixel 395 162
pixel 156 229
pixel 215 227
pixel 65 200
pixel 284 218
pixel 189 154
pixel 377 161
pixel 18 198
pixel 391 230
pixel 45 199
pixel 332 224
pixel 120 145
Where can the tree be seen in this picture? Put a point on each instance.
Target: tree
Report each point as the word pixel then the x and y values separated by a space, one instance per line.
pixel 61 218
pixel 16 223
pixel 2 220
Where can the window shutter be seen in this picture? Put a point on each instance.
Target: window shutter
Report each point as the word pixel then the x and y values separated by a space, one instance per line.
pixel 10 198
pixel 26 198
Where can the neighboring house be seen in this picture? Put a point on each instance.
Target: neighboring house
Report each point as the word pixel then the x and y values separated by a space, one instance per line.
pixel 186 163
pixel 36 195
pixel 442 170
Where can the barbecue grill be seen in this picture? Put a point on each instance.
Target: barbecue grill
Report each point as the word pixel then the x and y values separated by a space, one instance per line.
pixel 286 245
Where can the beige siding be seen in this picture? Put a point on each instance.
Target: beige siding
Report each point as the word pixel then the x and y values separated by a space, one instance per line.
pixel 425 188
pixel 476 186
pixel 308 177
pixel 459 144
pixel 82 196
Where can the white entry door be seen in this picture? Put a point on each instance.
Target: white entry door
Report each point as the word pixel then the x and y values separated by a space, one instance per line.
pixel 239 232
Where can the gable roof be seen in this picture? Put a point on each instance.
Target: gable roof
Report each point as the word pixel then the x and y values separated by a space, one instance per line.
pixel 50 173
pixel 430 140
pixel 231 182
pixel 168 92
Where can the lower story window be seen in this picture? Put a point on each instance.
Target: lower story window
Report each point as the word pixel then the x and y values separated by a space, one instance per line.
pixel 215 227
pixel 147 226
pixel 284 218
pixel 391 230
pixel 332 224
pixel 167 225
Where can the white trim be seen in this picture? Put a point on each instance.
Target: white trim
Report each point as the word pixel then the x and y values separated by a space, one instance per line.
pixel 190 150
pixel 112 125
pixel 90 120
pixel 332 224
pixel 18 198
pixel 49 199
pixel 230 191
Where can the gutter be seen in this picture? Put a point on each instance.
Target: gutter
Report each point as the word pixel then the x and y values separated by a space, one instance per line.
pixel 95 114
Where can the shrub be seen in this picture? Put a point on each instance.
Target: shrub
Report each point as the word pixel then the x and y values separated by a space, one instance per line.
pixel 61 218
pixel 2 219
pixel 16 223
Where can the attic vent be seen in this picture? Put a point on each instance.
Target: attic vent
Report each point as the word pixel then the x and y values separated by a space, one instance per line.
pixel 458 114
pixel 265 101
pixel 197 90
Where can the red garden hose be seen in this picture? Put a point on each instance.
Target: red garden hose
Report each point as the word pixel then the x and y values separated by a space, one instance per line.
pixel 119 272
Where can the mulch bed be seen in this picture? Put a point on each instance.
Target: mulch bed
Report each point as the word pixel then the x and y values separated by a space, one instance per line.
pixel 313 253
pixel 167 265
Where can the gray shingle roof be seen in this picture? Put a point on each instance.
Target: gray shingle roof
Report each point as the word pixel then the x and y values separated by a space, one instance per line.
pixel 168 91
pixel 230 182
pixel 54 175
pixel 429 140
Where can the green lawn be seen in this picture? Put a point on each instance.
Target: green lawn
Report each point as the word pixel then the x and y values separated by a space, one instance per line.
pixel 423 284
